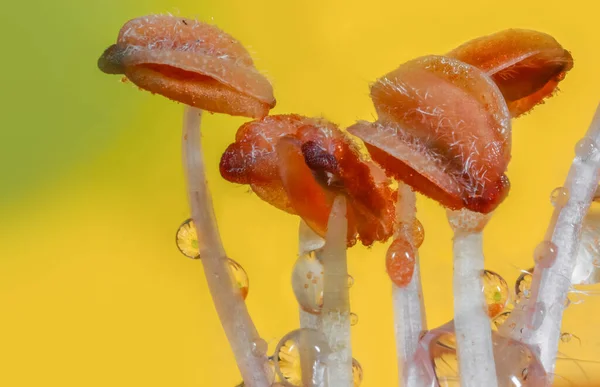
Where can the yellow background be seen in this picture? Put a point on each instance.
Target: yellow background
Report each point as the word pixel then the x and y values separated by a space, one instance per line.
pixel 93 291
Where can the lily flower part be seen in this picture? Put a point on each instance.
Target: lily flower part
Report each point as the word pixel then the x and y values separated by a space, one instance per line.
pixel 190 62
pixel 526 65
pixel 444 128
pixel 300 164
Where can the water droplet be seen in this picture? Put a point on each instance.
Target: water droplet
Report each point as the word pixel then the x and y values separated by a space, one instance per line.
pixel 585 148
pixel 500 319
pixel 567 337
pixel 400 262
pixel 240 277
pixel 307 283
pixel 260 347
pixel 187 239
pixel 357 373
pixel 495 291
pixel 537 314
pixel 523 285
pixel 302 347
pixel 353 319
pixel 418 233
pixel 350 281
pixel 545 254
pixel 559 196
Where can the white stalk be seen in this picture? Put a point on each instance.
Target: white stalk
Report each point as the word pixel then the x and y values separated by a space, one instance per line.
pixel 336 305
pixel 472 324
pixel 540 322
pixel 409 311
pixel 309 241
pixel 231 308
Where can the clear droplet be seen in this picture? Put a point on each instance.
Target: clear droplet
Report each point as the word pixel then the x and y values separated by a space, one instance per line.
pixel 299 348
pixel 511 358
pixel 585 148
pixel 523 285
pixel 307 283
pixel 260 347
pixel 567 337
pixel 537 314
pixel 350 281
pixel 353 319
pixel 240 277
pixel 357 372
pixel 187 239
pixel 495 291
pixel 559 196
pixel 545 254
pixel 400 262
pixel 500 319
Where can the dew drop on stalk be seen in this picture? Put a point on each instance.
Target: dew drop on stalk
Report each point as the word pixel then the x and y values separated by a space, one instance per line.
pixel 537 314
pixel 187 239
pixel 500 319
pixel 495 291
pixel 350 281
pixel 307 283
pixel 240 277
pixel 567 337
pixel 357 373
pixel 559 196
pixel 400 262
pixel 259 347
pixel 545 254
pixel 353 319
pixel 585 148
pixel 418 233
pixel 523 285
pixel 302 347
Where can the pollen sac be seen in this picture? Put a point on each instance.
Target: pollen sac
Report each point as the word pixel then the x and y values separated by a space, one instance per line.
pixel 444 129
pixel 300 164
pixel 190 62
pixel 526 65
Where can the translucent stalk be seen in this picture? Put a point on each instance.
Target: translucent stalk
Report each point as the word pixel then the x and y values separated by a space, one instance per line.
pixel 309 241
pixel 336 305
pixel 409 311
pixel 539 324
pixel 472 324
pixel 228 301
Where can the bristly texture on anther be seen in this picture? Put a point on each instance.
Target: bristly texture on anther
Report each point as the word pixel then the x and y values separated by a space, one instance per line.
pixel 526 65
pixel 190 62
pixel 444 129
pixel 300 164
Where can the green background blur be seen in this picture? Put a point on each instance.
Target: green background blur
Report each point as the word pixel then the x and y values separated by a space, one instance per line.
pixel 93 291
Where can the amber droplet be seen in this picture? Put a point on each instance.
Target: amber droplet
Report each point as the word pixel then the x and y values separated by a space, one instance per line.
pixel 400 262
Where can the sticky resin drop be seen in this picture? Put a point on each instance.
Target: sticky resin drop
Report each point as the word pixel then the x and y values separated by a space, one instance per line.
pixel 300 358
pixel 495 291
pixel 566 337
pixel 400 262
pixel 307 283
pixel 357 373
pixel 545 254
pixel 559 196
pixel 353 319
pixel 585 148
pixel 240 278
pixel 187 239
pixel 523 285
